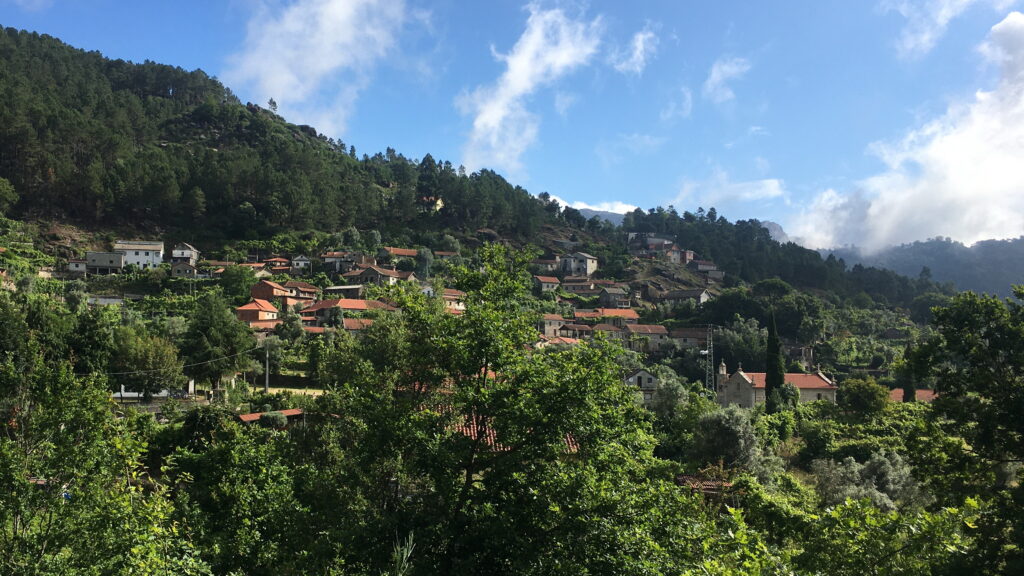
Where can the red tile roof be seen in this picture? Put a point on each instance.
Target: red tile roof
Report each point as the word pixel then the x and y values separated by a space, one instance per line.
pixel 548 280
pixel 254 416
pixel 347 304
pixel 403 252
pixel 920 395
pixel 273 285
pixel 646 329
pixel 357 323
pixel 276 260
pixel 815 381
pixel 626 313
pixel 554 317
pixel 303 286
pixel 257 304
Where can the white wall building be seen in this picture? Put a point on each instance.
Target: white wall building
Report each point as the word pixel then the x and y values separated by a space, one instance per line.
pixel 142 253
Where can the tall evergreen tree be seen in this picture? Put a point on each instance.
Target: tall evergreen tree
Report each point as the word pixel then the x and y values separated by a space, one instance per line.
pixel 775 368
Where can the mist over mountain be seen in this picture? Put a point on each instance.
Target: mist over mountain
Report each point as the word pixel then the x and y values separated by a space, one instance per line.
pixel 989 266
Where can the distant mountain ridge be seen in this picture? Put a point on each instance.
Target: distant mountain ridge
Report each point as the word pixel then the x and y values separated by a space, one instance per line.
pixel 989 266
pixel 613 217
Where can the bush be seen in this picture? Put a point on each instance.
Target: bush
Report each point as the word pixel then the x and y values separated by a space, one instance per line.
pixel 863 397
pixel 274 420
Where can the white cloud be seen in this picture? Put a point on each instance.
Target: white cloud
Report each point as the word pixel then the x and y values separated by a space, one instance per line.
pixel 32 5
pixel 552 45
pixel 723 71
pixel 611 206
pixel 613 152
pixel 312 51
pixel 722 192
pixel 928 20
pixel 680 107
pixel 564 101
pixel 642 48
pixel 958 175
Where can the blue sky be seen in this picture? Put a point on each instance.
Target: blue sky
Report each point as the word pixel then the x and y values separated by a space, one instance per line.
pixel 865 123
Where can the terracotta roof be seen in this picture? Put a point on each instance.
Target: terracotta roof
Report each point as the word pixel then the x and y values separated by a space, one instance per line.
pixel 404 252
pixel 564 340
pixel 280 269
pixel 578 327
pixel 815 381
pixel 314 329
pixel 251 264
pixel 548 279
pixel 347 304
pixel 453 293
pixel 258 304
pixel 690 332
pixel 305 286
pixel 276 260
pixel 272 284
pixel 646 329
pixel 356 323
pixel 626 313
pixel 254 416
pixel 381 271
pixel 334 254
pixel 924 395
pixel 554 317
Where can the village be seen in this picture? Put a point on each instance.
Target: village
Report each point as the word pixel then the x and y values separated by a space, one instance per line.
pixel 593 307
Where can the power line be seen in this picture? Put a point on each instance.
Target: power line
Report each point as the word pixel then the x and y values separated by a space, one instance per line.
pixel 182 367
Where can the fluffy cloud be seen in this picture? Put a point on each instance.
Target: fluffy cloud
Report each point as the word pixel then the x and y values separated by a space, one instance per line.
pixel 723 71
pixel 681 107
pixel 612 206
pixel 634 60
pixel 928 20
pixel 958 175
pixel 723 193
pixel 314 57
pixel 552 45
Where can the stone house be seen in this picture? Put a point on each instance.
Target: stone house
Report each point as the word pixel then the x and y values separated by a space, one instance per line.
pixel 546 283
pixel 747 389
pixel 578 264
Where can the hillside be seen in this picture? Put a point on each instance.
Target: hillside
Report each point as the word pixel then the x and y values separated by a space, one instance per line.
pixel 990 266
pixel 152 149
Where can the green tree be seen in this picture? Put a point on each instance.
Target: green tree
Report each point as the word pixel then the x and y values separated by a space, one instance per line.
pixel 8 197
pixel 775 369
pixel 236 282
pixel 863 397
pixel 145 363
pixel 216 344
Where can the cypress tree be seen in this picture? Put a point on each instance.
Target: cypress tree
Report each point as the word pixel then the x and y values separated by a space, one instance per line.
pixel 775 368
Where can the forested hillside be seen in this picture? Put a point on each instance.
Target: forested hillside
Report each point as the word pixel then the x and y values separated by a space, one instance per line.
pixel 990 266
pixel 151 147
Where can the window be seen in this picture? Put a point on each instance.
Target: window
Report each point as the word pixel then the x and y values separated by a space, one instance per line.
pixel 819 395
pixel 650 379
pixel 136 252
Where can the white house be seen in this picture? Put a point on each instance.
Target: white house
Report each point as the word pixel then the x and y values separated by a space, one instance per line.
pixel 141 253
pixel 646 382
pixel 300 263
pixel 183 252
pixel 578 264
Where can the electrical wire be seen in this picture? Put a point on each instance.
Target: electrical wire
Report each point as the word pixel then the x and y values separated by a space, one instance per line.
pixel 174 368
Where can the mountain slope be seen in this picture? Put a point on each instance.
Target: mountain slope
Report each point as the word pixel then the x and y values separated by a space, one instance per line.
pixel 990 266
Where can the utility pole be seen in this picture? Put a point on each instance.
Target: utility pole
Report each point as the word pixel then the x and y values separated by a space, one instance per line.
pixel 709 368
pixel 266 369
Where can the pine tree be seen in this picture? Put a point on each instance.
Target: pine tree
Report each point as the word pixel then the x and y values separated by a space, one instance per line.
pixel 775 368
